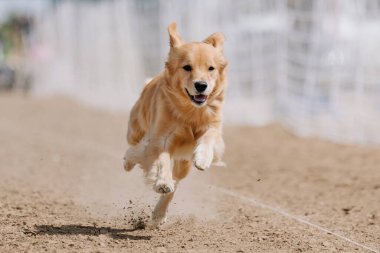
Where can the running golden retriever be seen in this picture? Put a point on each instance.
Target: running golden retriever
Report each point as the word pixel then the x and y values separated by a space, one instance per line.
pixel 177 121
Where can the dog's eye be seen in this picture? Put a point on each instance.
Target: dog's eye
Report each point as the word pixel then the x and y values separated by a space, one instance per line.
pixel 187 68
pixel 211 68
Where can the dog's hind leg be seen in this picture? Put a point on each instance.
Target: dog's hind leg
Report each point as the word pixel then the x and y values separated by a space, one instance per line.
pixel 132 156
pixel 136 139
pixel 160 210
pixel 135 154
pixel 218 152
pixel 130 160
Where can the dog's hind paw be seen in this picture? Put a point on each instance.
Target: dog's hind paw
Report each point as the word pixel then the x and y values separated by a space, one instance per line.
pixel 163 187
pixel 156 222
pixel 219 164
pixel 128 166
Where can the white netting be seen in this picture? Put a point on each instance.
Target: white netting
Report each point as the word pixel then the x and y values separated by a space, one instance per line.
pixel 313 65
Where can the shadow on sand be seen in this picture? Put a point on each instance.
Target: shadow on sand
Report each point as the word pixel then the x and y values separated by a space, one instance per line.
pixel 115 233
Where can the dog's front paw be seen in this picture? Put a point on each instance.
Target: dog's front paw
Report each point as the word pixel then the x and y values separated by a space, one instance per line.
pixel 164 186
pixel 203 157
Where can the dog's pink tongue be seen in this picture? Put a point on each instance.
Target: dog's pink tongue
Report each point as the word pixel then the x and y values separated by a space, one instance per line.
pixel 200 98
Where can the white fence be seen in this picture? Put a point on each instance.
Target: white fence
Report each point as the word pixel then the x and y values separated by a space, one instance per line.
pixel 312 65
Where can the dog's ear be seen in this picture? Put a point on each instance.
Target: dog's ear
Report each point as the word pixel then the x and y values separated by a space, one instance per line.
pixel 175 38
pixel 216 40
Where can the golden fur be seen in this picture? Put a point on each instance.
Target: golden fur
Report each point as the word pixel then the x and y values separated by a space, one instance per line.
pixel 168 130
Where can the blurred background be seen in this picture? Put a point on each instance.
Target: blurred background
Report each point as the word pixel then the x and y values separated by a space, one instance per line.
pixel 313 66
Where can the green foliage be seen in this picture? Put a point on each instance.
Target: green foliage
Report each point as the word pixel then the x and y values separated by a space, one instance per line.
pixel 10 32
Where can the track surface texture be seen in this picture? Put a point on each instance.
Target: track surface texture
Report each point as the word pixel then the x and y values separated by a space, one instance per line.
pixel 63 189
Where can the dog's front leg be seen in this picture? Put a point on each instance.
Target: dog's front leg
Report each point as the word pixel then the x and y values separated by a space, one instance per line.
pixel 204 150
pixel 164 182
pixel 160 210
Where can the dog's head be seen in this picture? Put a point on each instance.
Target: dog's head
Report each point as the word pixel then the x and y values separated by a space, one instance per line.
pixel 195 71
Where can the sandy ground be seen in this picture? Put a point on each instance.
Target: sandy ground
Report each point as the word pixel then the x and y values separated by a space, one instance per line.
pixel 62 189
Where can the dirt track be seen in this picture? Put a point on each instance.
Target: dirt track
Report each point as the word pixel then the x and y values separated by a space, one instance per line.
pixel 62 188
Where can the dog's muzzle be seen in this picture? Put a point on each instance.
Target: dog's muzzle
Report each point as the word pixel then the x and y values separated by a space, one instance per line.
pixel 198 99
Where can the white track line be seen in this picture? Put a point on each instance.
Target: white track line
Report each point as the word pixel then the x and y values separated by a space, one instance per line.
pixel 90 146
pixel 286 214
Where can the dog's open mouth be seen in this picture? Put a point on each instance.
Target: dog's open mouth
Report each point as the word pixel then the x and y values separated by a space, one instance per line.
pixel 197 99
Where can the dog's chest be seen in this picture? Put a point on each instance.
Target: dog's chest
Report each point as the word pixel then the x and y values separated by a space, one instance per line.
pixel 183 143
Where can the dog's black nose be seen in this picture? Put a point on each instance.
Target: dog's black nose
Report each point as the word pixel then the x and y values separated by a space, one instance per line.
pixel 200 86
